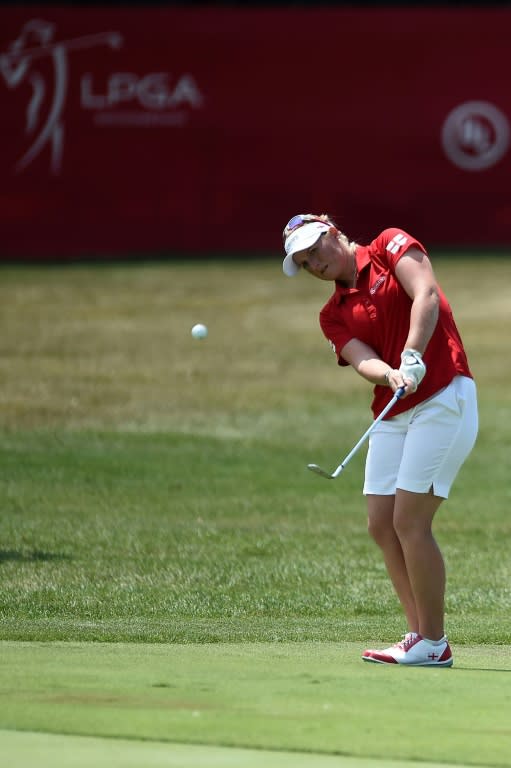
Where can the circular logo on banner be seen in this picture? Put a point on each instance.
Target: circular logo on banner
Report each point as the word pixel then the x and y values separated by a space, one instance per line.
pixel 475 135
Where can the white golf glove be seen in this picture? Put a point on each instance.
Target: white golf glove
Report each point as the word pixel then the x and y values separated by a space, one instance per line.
pixel 412 367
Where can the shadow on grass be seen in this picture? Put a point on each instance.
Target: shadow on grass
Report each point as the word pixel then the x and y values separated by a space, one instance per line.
pixel 480 669
pixel 36 556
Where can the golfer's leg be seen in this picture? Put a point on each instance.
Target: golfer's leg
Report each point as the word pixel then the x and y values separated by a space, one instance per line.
pixel 413 518
pixel 381 528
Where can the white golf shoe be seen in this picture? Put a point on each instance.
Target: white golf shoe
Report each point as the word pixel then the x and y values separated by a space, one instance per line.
pixel 414 651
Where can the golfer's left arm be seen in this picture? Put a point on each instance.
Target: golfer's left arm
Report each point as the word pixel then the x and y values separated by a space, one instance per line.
pixel 415 273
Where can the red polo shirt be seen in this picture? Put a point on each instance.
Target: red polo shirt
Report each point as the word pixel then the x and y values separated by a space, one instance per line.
pixel 377 312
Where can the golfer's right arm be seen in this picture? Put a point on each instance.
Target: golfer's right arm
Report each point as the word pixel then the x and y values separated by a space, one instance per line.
pixel 369 365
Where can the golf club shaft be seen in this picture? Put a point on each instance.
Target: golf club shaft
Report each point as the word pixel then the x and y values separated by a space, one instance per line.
pixel 398 394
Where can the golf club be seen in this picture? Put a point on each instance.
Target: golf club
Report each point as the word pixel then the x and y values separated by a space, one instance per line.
pixel 314 467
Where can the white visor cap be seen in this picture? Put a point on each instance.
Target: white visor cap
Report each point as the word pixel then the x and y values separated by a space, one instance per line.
pixel 302 237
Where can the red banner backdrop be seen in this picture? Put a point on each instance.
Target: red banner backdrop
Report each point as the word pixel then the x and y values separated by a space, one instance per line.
pixel 204 129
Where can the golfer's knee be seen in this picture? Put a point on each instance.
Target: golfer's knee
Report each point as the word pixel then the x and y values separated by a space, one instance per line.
pixel 380 531
pixel 410 528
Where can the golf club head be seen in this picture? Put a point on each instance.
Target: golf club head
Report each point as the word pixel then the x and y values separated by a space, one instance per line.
pixel 331 476
pixel 319 471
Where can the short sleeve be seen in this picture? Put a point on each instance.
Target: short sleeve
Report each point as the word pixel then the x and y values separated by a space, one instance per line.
pixel 336 333
pixel 394 243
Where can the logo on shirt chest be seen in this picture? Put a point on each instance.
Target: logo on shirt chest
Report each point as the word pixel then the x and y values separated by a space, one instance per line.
pixel 377 285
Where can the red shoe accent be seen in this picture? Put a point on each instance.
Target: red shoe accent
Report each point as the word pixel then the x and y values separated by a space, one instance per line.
pixel 378 656
pixel 445 655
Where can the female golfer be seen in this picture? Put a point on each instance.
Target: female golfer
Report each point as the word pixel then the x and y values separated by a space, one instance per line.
pixel 389 320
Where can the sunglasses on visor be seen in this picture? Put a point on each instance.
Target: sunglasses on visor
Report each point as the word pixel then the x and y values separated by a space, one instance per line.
pixel 299 221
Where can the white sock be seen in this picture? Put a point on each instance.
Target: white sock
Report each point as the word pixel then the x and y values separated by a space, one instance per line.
pixel 435 642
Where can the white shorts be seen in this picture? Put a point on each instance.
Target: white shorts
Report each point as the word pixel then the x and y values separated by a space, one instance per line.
pixel 423 449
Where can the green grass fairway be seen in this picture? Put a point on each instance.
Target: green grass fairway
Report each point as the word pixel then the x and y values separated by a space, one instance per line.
pixel 175 587
pixel 304 697
pixel 20 750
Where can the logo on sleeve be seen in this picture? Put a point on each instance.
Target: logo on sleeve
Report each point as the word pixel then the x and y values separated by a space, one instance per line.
pixel 396 243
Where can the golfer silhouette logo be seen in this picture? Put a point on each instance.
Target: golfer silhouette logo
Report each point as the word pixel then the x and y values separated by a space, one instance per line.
pixel 44 114
pixel 475 135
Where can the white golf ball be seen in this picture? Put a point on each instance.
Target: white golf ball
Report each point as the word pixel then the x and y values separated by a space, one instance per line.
pixel 199 331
